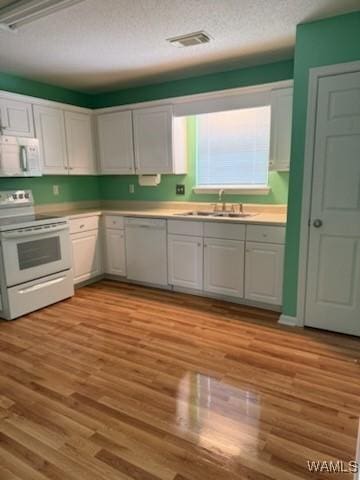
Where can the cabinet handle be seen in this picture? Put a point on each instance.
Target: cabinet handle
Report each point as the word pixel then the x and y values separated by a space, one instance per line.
pixel 82 226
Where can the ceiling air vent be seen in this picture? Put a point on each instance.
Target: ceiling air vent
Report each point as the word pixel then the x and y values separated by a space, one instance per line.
pixel 190 39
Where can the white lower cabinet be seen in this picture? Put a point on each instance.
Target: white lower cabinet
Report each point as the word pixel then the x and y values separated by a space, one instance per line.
pixel 86 248
pixel 115 260
pixel 264 272
pixel 224 267
pixel 185 261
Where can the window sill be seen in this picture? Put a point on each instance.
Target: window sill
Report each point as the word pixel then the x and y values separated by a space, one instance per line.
pixel 244 190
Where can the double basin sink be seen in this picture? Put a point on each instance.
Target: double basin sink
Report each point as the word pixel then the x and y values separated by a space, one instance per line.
pixel 199 213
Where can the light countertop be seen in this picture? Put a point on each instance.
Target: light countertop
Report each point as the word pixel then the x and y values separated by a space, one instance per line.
pixel 258 217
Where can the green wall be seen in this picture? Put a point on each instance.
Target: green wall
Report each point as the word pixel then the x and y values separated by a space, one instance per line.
pixel 72 189
pixel 241 77
pixel 117 187
pixel 14 84
pixel 325 42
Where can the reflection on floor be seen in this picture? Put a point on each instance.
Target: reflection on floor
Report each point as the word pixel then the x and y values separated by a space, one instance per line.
pixel 125 382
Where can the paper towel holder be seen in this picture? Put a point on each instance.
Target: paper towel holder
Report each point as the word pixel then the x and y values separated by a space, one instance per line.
pixel 149 180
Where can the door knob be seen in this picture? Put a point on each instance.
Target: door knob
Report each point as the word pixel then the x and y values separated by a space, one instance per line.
pixel 317 223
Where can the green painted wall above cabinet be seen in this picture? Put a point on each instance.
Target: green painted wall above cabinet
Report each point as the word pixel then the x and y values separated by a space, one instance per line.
pixel 15 84
pixel 242 77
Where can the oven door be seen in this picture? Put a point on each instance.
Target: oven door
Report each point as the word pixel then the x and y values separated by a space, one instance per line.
pixel 31 253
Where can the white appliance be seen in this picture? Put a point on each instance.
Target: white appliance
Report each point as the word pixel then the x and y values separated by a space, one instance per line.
pixel 35 257
pixel 146 250
pixel 19 157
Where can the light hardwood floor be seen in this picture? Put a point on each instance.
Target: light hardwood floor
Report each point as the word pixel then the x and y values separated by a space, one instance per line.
pixel 125 382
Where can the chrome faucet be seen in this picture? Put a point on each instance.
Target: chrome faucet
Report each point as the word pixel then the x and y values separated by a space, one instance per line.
pixel 221 195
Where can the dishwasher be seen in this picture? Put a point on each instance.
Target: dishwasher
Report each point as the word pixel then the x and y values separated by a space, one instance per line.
pixel 146 250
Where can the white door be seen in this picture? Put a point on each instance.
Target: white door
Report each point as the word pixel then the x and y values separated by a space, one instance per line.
pixel 185 261
pixel 16 118
pixel 333 283
pixel 153 139
pixel 264 272
pixel 224 267
pixel 115 252
pixel 116 148
pixel 86 255
pixel 80 146
pixel 50 130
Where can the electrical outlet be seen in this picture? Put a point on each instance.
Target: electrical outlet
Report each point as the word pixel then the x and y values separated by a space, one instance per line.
pixel 131 188
pixel 56 190
pixel 180 189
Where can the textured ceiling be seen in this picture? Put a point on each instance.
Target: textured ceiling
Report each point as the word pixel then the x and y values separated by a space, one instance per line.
pixel 104 44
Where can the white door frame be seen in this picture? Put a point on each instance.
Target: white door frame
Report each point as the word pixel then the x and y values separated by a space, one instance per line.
pixel 314 76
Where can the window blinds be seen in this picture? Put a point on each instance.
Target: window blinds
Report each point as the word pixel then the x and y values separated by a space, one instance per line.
pixel 233 147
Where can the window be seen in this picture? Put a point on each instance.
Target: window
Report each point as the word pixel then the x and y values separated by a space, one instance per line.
pixel 233 148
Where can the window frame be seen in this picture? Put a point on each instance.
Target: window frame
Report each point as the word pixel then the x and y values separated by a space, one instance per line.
pixel 243 189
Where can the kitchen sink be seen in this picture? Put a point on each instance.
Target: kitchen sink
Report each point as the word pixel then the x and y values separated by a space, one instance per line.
pixel 216 214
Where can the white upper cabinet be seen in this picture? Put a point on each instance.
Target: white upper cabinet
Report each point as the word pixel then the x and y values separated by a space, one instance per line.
pixel 159 141
pixel 116 148
pixel 50 130
pixel 80 145
pixel 281 122
pixel 16 118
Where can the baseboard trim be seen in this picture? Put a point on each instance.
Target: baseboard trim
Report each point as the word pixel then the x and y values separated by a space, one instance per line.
pixel 288 320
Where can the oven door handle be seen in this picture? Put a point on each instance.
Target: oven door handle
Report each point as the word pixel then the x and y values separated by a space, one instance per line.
pixel 33 233
pixel 39 286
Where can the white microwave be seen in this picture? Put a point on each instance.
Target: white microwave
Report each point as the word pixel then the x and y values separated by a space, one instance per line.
pixel 19 157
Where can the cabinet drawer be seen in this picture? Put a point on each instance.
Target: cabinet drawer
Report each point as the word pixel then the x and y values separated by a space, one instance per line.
pixel 266 234
pixel 114 221
pixel 83 224
pixel 183 227
pixel 230 231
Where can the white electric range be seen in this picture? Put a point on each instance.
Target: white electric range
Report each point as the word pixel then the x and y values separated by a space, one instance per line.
pixel 35 256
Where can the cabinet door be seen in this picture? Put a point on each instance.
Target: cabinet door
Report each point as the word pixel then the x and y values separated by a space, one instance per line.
pixel 264 272
pixel 50 130
pixel 116 148
pixel 153 139
pixel 115 252
pixel 86 255
pixel 16 118
pixel 79 140
pixel 185 261
pixel 224 267
pixel 281 122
